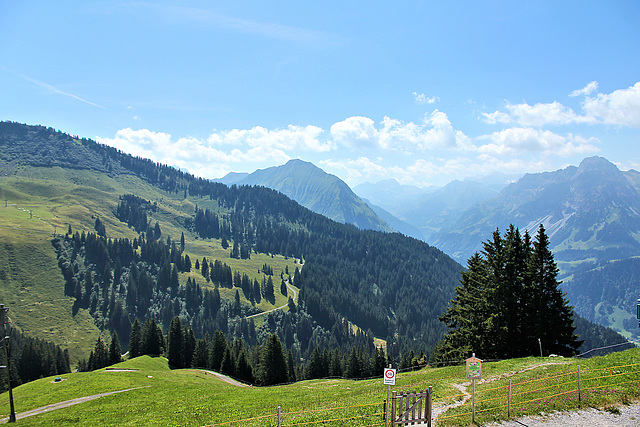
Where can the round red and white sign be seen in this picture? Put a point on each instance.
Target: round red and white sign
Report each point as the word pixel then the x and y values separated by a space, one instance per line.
pixel 389 376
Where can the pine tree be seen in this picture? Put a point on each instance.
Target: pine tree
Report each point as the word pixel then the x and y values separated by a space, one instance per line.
pixel 135 340
pixel 556 329
pixel 115 350
pixel 218 345
pixel 273 363
pixel 175 344
pixel 99 357
pixel 228 365
pixel 189 339
pixel 200 354
pixel 152 338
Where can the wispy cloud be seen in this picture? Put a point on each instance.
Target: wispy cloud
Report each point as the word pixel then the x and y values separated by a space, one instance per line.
pixel 55 89
pixel 214 20
pixel 587 90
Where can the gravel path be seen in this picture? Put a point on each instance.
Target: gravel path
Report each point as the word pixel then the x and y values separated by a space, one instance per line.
pixel 629 416
pixel 65 404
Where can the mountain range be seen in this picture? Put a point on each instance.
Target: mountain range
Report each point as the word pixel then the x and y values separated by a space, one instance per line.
pixel 120 259
pixel 591 213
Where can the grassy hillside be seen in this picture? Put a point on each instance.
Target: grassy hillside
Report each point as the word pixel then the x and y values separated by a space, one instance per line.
pixel 194 397
pixel 41 201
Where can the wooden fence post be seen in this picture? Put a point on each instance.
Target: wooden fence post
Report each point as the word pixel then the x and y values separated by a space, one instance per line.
pixel 509 401
pixel 579 389
pixel 429 406
pixel 279 415
pixel 393 408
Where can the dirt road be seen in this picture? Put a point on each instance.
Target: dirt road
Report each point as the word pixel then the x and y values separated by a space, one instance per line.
pixel 65 404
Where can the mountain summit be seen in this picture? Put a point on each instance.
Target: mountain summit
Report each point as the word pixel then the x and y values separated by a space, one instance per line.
pixel 318 191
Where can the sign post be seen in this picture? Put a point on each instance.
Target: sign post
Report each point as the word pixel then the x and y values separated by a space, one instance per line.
pixel 474 372
pixel 389 379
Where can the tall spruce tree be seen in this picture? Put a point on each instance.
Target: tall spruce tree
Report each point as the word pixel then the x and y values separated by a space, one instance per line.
pixel 555 328
pixel 273 362
pixel 135 340
pixel 508 298
pixel 175 344
pixel 115 350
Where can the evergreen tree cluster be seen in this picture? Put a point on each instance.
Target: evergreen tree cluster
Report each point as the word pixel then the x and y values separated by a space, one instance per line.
pixel 120 279
pixel 509 303
pixel 103 355
pixel 267 362
pixel 31 359
pixel 133 210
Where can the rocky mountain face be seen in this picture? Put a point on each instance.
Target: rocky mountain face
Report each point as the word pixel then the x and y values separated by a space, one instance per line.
pixel 591 213
pixel 316 190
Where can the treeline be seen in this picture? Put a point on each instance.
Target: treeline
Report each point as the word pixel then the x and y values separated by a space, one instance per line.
pixel 600 339
pixel 133 210
pixel 31 359
pixel 265 363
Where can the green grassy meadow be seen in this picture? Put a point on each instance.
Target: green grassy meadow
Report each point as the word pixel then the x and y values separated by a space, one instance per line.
pixel 190 397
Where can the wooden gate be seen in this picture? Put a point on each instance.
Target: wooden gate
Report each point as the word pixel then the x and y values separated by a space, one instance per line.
pixel 411 408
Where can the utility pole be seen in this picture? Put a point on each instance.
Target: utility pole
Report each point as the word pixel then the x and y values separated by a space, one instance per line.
pixel 7 352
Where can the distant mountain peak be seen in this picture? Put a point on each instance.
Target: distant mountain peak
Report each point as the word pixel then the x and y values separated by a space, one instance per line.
pixel 319 191
pixel 596 163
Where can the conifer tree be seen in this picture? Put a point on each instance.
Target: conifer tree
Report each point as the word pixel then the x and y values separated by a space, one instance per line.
pixel 115 350
pixel 200 354
pixel 152 338
pixel 175 344
pixel 508 298
pixel 273 363
pixel 555 327
pixel 135 340
pixel 218 345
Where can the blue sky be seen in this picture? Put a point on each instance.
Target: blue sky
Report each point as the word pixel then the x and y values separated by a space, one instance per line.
pixel 421 91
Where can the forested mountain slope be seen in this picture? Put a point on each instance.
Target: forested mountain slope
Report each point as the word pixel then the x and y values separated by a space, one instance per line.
pixel 388 284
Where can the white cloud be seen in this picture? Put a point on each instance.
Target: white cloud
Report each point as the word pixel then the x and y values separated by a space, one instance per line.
pixel 514 141
pixel 420 172
pixel 620 108
pixel 536 115
pixel 355 132
pixel 356 170
pixel 293 137
pixel 539 115
pixel 421 98
pixel 436 132
pixel 496 117
pixel 587 90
